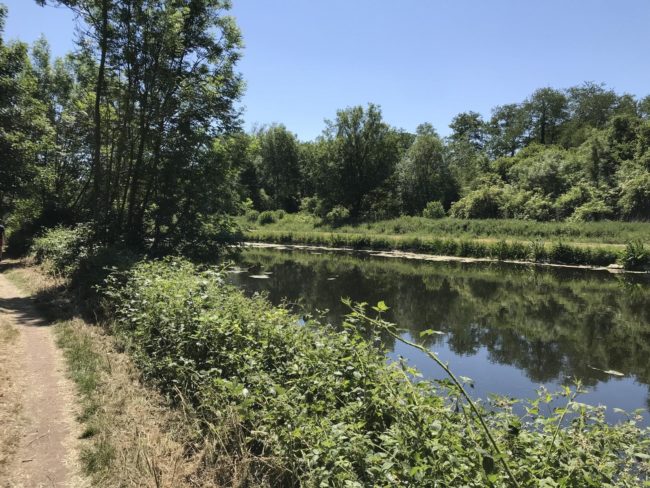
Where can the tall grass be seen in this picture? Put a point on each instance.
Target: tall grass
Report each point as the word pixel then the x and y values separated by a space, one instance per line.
pixel 473 239
pixel 604 232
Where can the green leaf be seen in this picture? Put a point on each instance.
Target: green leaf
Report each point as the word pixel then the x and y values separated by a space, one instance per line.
pixel 381 306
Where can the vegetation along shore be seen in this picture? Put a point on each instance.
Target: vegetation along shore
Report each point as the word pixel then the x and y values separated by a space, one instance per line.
pixel 131 178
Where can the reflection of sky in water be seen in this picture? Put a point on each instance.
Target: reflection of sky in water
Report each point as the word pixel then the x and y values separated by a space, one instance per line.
pixel 510 329
pixel 490 377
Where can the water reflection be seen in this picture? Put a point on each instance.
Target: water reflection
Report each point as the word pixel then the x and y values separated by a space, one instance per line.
pixel 510 328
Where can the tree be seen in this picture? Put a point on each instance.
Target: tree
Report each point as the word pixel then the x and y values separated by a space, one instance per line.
pixel 547 111
pixel 507 130
pixel 423 173
pixel 362 152
pixel 23 121
pixel 164 89
pixel 280 166
pixel 644 107
pixel 469 127
pixel 591 104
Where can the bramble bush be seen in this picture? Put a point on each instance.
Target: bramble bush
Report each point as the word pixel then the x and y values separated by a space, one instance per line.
pixel 317 406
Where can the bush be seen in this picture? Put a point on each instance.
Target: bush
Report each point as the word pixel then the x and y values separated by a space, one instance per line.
pixel 635 197
pixel 568 202
pixel 337 216
pixel 636 256
pixel 483 203
pixel 252 215
pixel 433 210
pixel 267 217
pixel 592 211
pixel 64 248
pixel 309 205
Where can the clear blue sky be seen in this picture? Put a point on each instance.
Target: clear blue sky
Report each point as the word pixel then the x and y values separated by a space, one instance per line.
pixel 421 60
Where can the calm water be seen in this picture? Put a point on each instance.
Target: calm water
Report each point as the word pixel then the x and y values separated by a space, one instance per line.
pixel 510 328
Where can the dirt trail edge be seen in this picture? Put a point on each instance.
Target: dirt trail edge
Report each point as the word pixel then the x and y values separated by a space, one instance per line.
pixel 46 454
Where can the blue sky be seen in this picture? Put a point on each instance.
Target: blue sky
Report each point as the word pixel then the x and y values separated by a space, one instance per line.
pixel 421 60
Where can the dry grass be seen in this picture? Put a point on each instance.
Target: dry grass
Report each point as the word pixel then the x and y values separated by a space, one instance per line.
pixel 135 438
pixel 10 396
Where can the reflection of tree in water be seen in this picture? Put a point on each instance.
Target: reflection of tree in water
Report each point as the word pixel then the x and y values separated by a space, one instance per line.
pixel 550 323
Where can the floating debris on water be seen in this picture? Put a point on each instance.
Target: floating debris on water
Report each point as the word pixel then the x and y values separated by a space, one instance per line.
pixel 613 372
pixel 236 270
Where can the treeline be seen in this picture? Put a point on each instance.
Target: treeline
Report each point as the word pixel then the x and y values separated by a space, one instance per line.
pixel 138 132
pixel 581 154
pixel 127 131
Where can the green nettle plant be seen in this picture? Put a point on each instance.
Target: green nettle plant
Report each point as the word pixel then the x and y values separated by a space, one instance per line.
pixel 311 405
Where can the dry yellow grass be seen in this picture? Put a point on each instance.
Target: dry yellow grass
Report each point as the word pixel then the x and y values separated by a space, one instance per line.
pixel 10 396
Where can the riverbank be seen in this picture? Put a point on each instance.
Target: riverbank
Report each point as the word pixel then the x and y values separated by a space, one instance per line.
pixel 283 404
pixel 594 244
pixel 613 268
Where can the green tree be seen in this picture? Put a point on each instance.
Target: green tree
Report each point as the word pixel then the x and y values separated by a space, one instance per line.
pixel 507 130
pixel 423 173
pixel 164 88
pixel 23 123
pixel 280 166
pixel 547 110
pixel 470 128
pixel 362 151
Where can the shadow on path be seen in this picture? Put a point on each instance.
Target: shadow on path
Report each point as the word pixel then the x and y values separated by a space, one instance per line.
pixel 24 310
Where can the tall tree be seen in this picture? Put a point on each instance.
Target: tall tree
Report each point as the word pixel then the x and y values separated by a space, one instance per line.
pixel 362 153
pixel 280 166
pixel 164 88
pixel 507 130
pixel 547 111
pixel 423 173
pixel 469 127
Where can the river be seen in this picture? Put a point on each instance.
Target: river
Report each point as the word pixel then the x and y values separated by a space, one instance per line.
pixel 510 328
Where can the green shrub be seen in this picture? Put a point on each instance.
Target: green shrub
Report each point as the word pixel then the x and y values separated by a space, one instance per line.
pixel 636 256
pixel 483 203
pixel 593 210
pixel 252 215
pixel 635 197
pixel 337 216
pixel 309 205
pixel 64 248
pixel 433 210
pixel 568 202
pixel 267 217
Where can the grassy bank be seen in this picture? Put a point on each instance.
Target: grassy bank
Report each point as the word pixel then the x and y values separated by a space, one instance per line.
pixel 309 405
pixel 595 243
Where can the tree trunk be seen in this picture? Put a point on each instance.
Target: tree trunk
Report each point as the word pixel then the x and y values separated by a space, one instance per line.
pixel 99 88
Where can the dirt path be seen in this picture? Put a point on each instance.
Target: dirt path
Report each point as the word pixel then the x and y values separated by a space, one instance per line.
pixel 45 426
